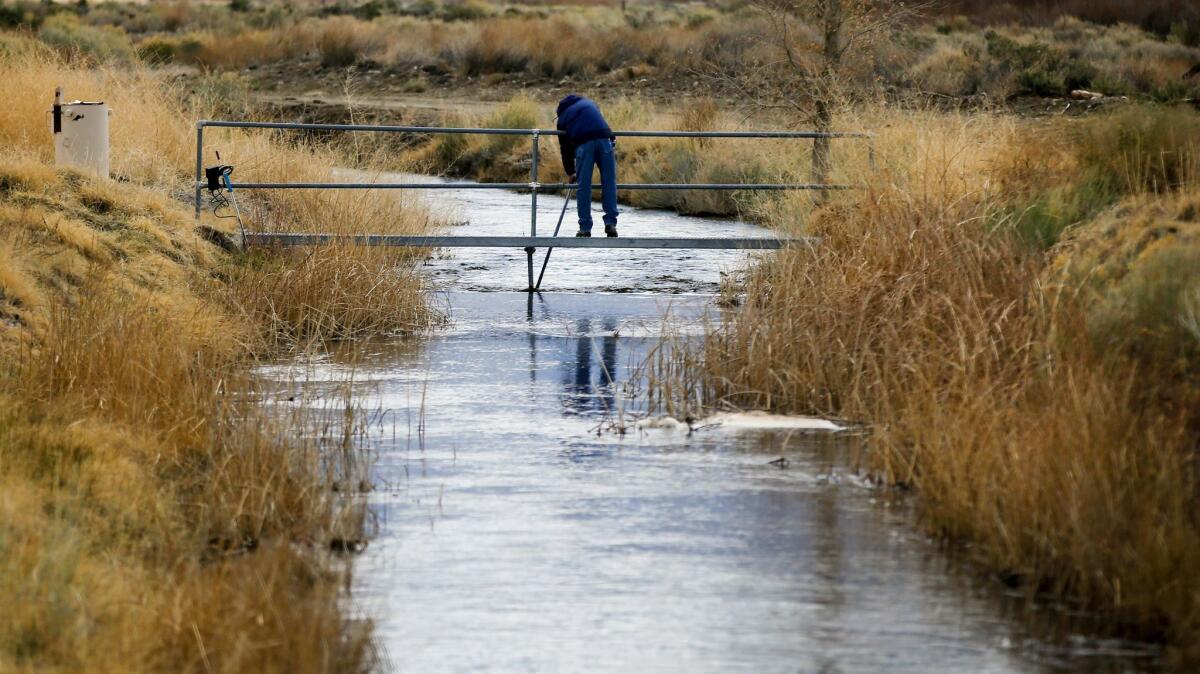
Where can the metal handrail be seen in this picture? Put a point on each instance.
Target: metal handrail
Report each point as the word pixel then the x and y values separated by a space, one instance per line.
pixel 384 128
pixel 542 187
pixel 533 186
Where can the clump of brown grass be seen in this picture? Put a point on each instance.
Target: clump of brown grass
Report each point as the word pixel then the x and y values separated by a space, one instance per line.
pixel 336 291
pixel 352 290
pixel 140 479
pixel 343 40
pixel 156 514
pixel 1034 420
pixel 330 292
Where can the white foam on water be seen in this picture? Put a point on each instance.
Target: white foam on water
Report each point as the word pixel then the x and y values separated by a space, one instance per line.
pixel 765 421
pixel 758 421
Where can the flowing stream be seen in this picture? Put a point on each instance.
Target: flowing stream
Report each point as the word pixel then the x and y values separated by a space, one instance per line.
pixel 513 532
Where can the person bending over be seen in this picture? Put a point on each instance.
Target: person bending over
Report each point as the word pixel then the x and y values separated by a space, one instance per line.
pixel 586 141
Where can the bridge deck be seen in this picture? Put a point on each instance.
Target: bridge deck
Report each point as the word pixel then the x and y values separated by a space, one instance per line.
pixel 713 243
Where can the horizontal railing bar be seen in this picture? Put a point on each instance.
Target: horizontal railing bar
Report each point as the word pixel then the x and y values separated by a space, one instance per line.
pixel 384 128
pixel 709 243
pixel 382 186
pixel 734 134
pixel 704 186
pixel 542 187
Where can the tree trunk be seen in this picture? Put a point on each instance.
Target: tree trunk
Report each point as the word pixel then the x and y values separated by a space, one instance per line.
pixel 823 121
pixel 834 17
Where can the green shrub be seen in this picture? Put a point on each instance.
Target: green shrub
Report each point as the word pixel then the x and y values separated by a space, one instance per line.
pixel 1138 267
pixel 1113 85
pixel 99 43
pixel 468 10
pixel 955 24
pixel 517 114
pixel 15 14
pixel 1142 148
pixel 223 94
pixel 1173 91
pixel 1040 69
pixel 449 150
pixel 1186 33
pixel 1042 221
pixel 17 45
pixel 157 50
pixel 369 11
pixel 422 8
pixel 1153 310
pixel 1138 150
pixel 189 49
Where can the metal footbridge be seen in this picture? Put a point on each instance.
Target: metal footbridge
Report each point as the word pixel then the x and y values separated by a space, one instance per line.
pixel 531 242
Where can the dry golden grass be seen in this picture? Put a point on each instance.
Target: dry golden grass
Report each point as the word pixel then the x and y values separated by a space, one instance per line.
pixel 153 140
pixel 335 291
pixel 156 513
pixel 1044 412
pixel 601 40
pixel 156 519
pixel 678 44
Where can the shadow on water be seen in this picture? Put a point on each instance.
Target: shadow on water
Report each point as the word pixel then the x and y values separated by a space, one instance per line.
pixel 512 536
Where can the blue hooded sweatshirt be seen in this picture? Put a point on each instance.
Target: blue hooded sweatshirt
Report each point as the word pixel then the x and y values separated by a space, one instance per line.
pixel 580 120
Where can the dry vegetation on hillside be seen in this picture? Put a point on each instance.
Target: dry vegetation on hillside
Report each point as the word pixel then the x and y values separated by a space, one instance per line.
pixel 153 516
pixel 150 519
pixel 978 51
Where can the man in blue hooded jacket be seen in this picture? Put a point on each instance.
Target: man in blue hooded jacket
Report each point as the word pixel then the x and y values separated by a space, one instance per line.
pixel 586 141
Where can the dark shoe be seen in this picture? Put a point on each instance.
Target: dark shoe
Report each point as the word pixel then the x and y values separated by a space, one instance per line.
pixel 610 231
pixel 583 234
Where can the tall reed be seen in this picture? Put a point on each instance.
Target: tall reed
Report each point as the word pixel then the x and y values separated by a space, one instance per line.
pixel 158 511
pixel 1053 444
pixel 158 517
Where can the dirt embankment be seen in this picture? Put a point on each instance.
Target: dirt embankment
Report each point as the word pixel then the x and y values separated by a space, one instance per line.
pixel 303 90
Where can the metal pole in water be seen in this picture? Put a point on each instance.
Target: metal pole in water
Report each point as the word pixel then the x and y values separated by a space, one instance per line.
pixel 533 189
pixel 199 163
pixel 538 285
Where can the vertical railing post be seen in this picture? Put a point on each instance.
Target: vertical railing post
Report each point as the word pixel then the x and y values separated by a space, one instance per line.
pixel 533 188
pixel 199 163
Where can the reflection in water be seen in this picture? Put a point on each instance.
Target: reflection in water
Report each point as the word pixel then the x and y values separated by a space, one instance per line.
pixel 588 381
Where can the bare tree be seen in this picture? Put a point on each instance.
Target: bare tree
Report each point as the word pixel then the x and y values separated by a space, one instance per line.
pixel 811 39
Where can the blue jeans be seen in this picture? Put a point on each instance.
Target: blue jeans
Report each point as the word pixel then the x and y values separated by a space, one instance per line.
pixel 596 152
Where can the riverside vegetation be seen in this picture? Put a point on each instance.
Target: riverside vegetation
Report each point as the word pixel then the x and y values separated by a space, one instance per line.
pixel 1011 304
pixel 157 511
pixel 957 49
pixel 1012 308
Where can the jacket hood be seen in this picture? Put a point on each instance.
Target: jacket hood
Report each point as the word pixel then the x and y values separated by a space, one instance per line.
pixel 566 103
